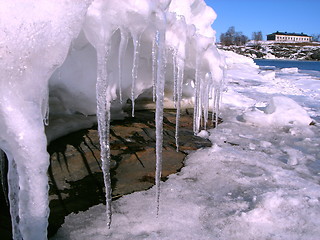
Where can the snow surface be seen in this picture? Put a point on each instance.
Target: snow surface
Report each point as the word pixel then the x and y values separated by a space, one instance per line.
pixel 257 181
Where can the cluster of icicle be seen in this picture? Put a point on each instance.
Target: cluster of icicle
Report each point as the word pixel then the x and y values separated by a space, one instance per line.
pixel 125 48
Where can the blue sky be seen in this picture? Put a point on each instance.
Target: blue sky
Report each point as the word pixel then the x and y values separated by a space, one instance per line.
pixel 268 16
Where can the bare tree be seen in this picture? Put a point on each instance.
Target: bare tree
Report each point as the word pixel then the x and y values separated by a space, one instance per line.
pixel 257 36
pixel 315 37
pixel 231 37
pixel 240 39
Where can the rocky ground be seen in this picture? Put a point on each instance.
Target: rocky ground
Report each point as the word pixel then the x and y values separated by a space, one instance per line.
pixel 76 181
pixel 294 51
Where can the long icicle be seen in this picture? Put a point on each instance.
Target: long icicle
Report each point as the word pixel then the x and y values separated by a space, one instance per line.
pixel 207 103
pixel 197 108
pixel 180 74
pixel 136 52
pixel 154 64
pixel 122 50
pixel 201 94
pixel 215 107
pixel 175 77
pixel 205 99
pixel 46 109
pixel 103 115
pixel 216 99
pixel 161 61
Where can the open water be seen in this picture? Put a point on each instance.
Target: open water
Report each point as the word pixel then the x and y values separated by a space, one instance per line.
pixel 308 67
pixel 302 65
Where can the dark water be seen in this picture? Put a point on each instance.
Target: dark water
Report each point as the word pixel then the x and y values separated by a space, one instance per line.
pixel 302 65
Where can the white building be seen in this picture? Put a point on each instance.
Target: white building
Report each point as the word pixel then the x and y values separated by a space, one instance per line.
pixel 289 37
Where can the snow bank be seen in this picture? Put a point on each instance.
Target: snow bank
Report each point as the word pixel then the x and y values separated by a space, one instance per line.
pixel 289 70
pixel 280 112
pixel 234 60
pixel 124 49
pixel 270 56
pixel 270 75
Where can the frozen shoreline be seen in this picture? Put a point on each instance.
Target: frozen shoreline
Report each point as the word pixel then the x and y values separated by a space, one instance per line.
pixel 277 50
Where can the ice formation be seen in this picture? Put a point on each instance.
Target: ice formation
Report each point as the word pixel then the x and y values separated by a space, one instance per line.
pixel 90 57
pixel 281 111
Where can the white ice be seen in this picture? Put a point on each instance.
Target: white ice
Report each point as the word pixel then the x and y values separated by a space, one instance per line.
pixel 35 37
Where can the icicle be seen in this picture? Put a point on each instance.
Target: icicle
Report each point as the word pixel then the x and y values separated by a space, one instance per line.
pixel 217 99
pixel 45 103
pixel 205 98
pixel 180 73
pixel 216 103
pixel 46 116
pixel 218 93
pixel 136 53
pixel 161 62
pixel 103 115
pixel 46 110
pixel 197 104
pixel 213 107
pixel 122 50
pixel 174 66
pixel 154 64
pixel 200 110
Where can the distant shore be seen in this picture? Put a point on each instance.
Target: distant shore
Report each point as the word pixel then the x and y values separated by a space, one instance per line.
pixel 277 50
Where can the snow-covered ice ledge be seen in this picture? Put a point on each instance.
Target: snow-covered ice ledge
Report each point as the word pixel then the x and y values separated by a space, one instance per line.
pixel 81 54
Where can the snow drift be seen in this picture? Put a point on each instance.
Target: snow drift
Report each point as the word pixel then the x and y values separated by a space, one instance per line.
pixel 280 112
pixel 81 54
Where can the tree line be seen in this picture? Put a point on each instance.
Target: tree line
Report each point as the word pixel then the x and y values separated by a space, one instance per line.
pixel 232 37
pixel 315 37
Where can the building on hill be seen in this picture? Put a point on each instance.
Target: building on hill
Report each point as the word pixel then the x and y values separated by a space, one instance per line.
pixel 289 37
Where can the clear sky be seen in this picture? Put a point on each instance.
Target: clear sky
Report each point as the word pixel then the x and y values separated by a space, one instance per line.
pixel 268 16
